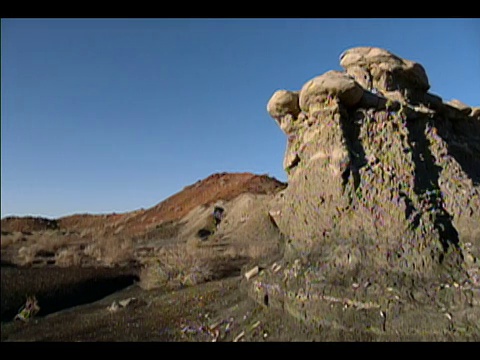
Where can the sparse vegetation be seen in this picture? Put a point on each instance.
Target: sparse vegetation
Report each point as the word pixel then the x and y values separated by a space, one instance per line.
pixel 9 238
pixel 165 230
pixel 173 267
pixel 68 257
pixel 111 250
pixel 26 254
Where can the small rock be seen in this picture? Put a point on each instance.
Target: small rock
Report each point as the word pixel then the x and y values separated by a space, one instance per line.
pixel 276 268
pixel 126 302
pixel 252 272
pixel 254 326
pixel 239 336
pixel 113 307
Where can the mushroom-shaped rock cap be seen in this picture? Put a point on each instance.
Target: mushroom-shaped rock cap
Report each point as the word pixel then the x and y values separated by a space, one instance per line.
pixel 378 61
pixel 283 102
pixel 464 108
pixel 332 83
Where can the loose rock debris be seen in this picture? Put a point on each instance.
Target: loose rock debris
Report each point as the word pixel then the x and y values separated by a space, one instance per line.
pixel 239 336
pixel 214 330
pixel 115 306
pixel 276 268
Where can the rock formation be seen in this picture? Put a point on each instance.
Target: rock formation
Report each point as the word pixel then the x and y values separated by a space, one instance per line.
pixel 383 186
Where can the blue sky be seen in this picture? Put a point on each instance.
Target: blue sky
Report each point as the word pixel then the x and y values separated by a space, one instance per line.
pixel 113 115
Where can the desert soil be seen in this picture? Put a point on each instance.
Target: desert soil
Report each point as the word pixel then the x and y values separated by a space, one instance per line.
pixel 183 315
pixel 155 315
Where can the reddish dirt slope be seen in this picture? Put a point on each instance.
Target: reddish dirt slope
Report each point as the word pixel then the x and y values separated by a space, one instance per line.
pixel 222 186
pixel 27 224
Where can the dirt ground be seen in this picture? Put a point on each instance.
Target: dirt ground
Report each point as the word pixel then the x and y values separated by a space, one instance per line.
pixel 159 315
pixel 219 311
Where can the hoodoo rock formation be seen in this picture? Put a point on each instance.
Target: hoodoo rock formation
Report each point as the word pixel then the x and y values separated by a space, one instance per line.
pixel 383 193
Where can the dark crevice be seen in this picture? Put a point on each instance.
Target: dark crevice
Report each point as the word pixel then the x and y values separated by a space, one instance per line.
pixel 294 163
pixel 411 213
pixel 345 176
pixel 427 175
pixel 204 234
pixel 272 221
pixel 218 214
pixel 459 137
pixel 351 134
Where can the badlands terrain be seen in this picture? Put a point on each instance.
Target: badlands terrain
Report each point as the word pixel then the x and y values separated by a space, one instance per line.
pixel 375 236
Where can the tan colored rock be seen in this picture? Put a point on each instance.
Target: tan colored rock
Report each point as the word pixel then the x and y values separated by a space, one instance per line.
pixel 364 56
pixel 290 160
pixel 252 272
pixel 388 71
pixel 283 102
pixel 287 124
pixel 361 75
pixel 464 108
pixel 332 84
pixel 475 112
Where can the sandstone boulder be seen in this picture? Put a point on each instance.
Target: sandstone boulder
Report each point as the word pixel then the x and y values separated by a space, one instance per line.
pixel 332 84
pixel 380 69
pixel 283 102
pixel 284 108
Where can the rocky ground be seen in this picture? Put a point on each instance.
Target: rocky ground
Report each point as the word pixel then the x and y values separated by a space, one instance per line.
pixel 217 311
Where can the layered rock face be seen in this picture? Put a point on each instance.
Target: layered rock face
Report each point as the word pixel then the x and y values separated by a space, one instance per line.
pixel 383 177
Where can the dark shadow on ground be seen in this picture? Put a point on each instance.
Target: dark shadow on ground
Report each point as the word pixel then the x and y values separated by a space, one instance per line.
pixel 59 288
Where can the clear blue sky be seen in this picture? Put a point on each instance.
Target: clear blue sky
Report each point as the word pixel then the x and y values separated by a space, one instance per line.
pixel 112 115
